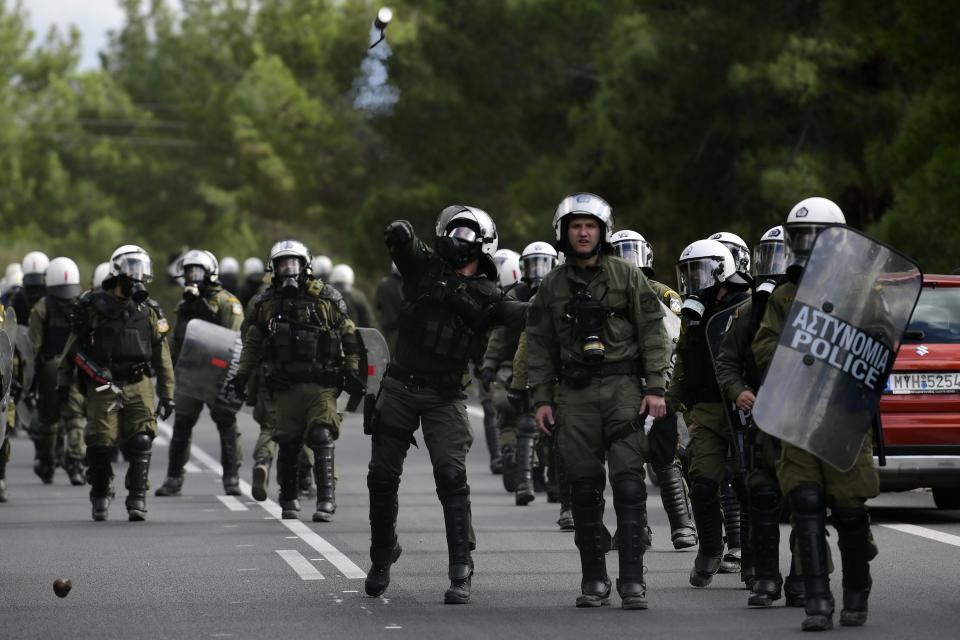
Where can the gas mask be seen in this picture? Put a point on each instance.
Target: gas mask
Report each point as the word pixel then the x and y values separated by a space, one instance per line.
pixel 133 289
pixel 695 304
pixel 588 317
pixel 195 278
pixel 287 273
pixel 458 247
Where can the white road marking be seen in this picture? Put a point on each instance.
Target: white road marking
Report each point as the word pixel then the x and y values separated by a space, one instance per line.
pixel 393 626
pixel 301 565
pixel 923 532
pixel 250 569
pixel 333 555
pixel 192 468
pixel 476 413
pixel 240 546
pixel 232 503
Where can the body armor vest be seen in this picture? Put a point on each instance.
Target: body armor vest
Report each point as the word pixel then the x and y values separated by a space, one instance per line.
pixel 57 327
pixel 195 309
pixel 699 367
pixel 297 332
pixel 124 334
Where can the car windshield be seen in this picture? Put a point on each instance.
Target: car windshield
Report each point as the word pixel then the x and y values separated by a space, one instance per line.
pixel 937 316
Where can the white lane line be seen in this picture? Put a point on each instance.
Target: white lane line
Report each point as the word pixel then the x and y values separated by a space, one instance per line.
pixel 301 565
pixel 474 411
pixel 232 503
pixel 923 532
pixel 333 555
pixel 192 468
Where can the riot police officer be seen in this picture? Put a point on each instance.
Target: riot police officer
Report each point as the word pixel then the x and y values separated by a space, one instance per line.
pixel 305 345
pixel 597 357
pixel 252 279
pixel 50 324
pixel 321 266
pixel 342 279
pixel 34 267
pixel 451 299
pixel 230 274
pixel 634 248
pixel 118 342
pixel 203 299
pixel 810 484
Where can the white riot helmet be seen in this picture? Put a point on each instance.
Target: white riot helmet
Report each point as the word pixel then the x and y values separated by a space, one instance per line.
pixel 634 248
pixel 806 220
pixel 132 261
pixel 342 277
pixel 12 272
pixel 770 255
pixel 582 204
pixel 290 263
pixel 321 266
pixel 737 246
pixel 253 267
pixel 198 267
pixel 34 266
pixel 508 267
pixel 229 266
pixel 470 234
pixel 63 278
pixel 100 273
pixel 703 264
pixel 536 261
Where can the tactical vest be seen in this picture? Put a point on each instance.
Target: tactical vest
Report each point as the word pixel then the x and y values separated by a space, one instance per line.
pixel 195 309
pixel 123 333
pixel 56 327
pixel 297 332
pixel 448 315
pixel 699 367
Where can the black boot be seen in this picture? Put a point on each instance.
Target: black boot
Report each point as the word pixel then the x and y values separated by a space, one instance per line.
pixel 673 493
pixel 730 505
pixel 289 486
pixel 74 469
pixel 630 503
pixel 565 521
pixel 809 522
pixel 857 549
pixel 593 541
pixel 525 445
pixel 230 455
pixel 323 459
pixel 384 547
pixel 456 518
pixel 261 479
pixel 492 436
pixel 177 457
pixel 705 500
pixel 765 505
pixel 508 467
pixel 100 476
pixel 44 463
pixel 138 475
pixel 794 591
pixel 305 475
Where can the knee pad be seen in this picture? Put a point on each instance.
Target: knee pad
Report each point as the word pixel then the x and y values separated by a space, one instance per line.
pixel 319 436
pixel 807 499
pixel 765 497
pixel 380 481
pixel 704 489
pixel 450 480
pixel 587 492
pixel 139 442
pixel 629 490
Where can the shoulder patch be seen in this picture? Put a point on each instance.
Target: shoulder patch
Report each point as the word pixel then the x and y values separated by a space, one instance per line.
pixel 162 325
pixel 237 308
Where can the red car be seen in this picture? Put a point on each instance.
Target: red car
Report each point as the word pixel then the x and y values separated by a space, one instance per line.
pixel 920 409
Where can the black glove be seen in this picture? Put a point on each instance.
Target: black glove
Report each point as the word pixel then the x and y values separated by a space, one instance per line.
pixel 486 375
pixel 663 439
pixel 238 386
pixel 353 384
pixel 398 233
pixel 165 408
pixel 63 395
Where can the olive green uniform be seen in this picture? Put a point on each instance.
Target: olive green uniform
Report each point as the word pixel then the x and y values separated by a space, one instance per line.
pixel 596 404
pixel 812 485
pixel 50 326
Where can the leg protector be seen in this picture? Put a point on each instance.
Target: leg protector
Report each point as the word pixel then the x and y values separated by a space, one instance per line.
pixel 673 493
pixel 765 505
pixel 730 506
pixel 630 503
pixel 565 522
pixel 705 498
pixel 492 435
pixel 809 518
pixel 525 444
pixel 44 461
pixel 856 551
pixel 320 440
pixel 454 494
pixel 230 455
pixel 287 475
pixel 138 475
pixel 100 477
pixel 384 547
pixel 593 541
pixel 508 467
pixel 747 561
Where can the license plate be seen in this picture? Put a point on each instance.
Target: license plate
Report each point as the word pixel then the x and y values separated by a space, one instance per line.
pixel 910 383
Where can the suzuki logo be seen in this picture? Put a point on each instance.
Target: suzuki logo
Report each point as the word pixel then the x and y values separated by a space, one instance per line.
pixel 922 350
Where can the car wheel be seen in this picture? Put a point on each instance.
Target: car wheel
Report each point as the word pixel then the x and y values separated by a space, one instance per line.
pixel 947 497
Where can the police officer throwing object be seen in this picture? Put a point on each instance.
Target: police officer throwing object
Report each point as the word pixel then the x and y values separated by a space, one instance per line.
pixel 597 356
pixel 451 299
pixel 118 343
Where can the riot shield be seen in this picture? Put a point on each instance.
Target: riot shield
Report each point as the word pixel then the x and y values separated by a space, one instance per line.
pixel 24 350
pixel 374 360
pixel 837 345
pixel 10 325
pixel 208 362
pixel 737 420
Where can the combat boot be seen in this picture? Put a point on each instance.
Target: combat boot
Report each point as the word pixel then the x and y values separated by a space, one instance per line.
pixel 170 487
pixel 809 522
pixel 384 547
pixel 99 476
pixel 323 462
pixel 230 455
pixel 730 506
pixel 705 500
pixel 261 479
pixel 508 462
pixel 44 468
pixel 630 503
pixel 456 519
pixel 177 456
pixel 857 549
pixel 289 486
pixel 74 469
pixel 525 494
pixel 593 541
pixel 765 503
pixel 138 476
pixel 673 493
pixel 794 591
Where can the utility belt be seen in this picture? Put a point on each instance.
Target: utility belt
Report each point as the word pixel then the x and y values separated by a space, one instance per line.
pixel 131 373
pixel 279 378
pixel 443 383
pixel 578 376
pixel 117 374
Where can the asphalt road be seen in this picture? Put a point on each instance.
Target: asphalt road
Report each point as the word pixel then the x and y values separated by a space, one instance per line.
pixel 203 566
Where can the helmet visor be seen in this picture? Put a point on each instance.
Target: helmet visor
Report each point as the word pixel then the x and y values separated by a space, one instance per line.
pixel 769 259
pixel 635 252
pixel 463 233
pixel 194 273
pixel 536 267
pixel 697 275
pixel 287 266
pixel 800 237
pixel 136 266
